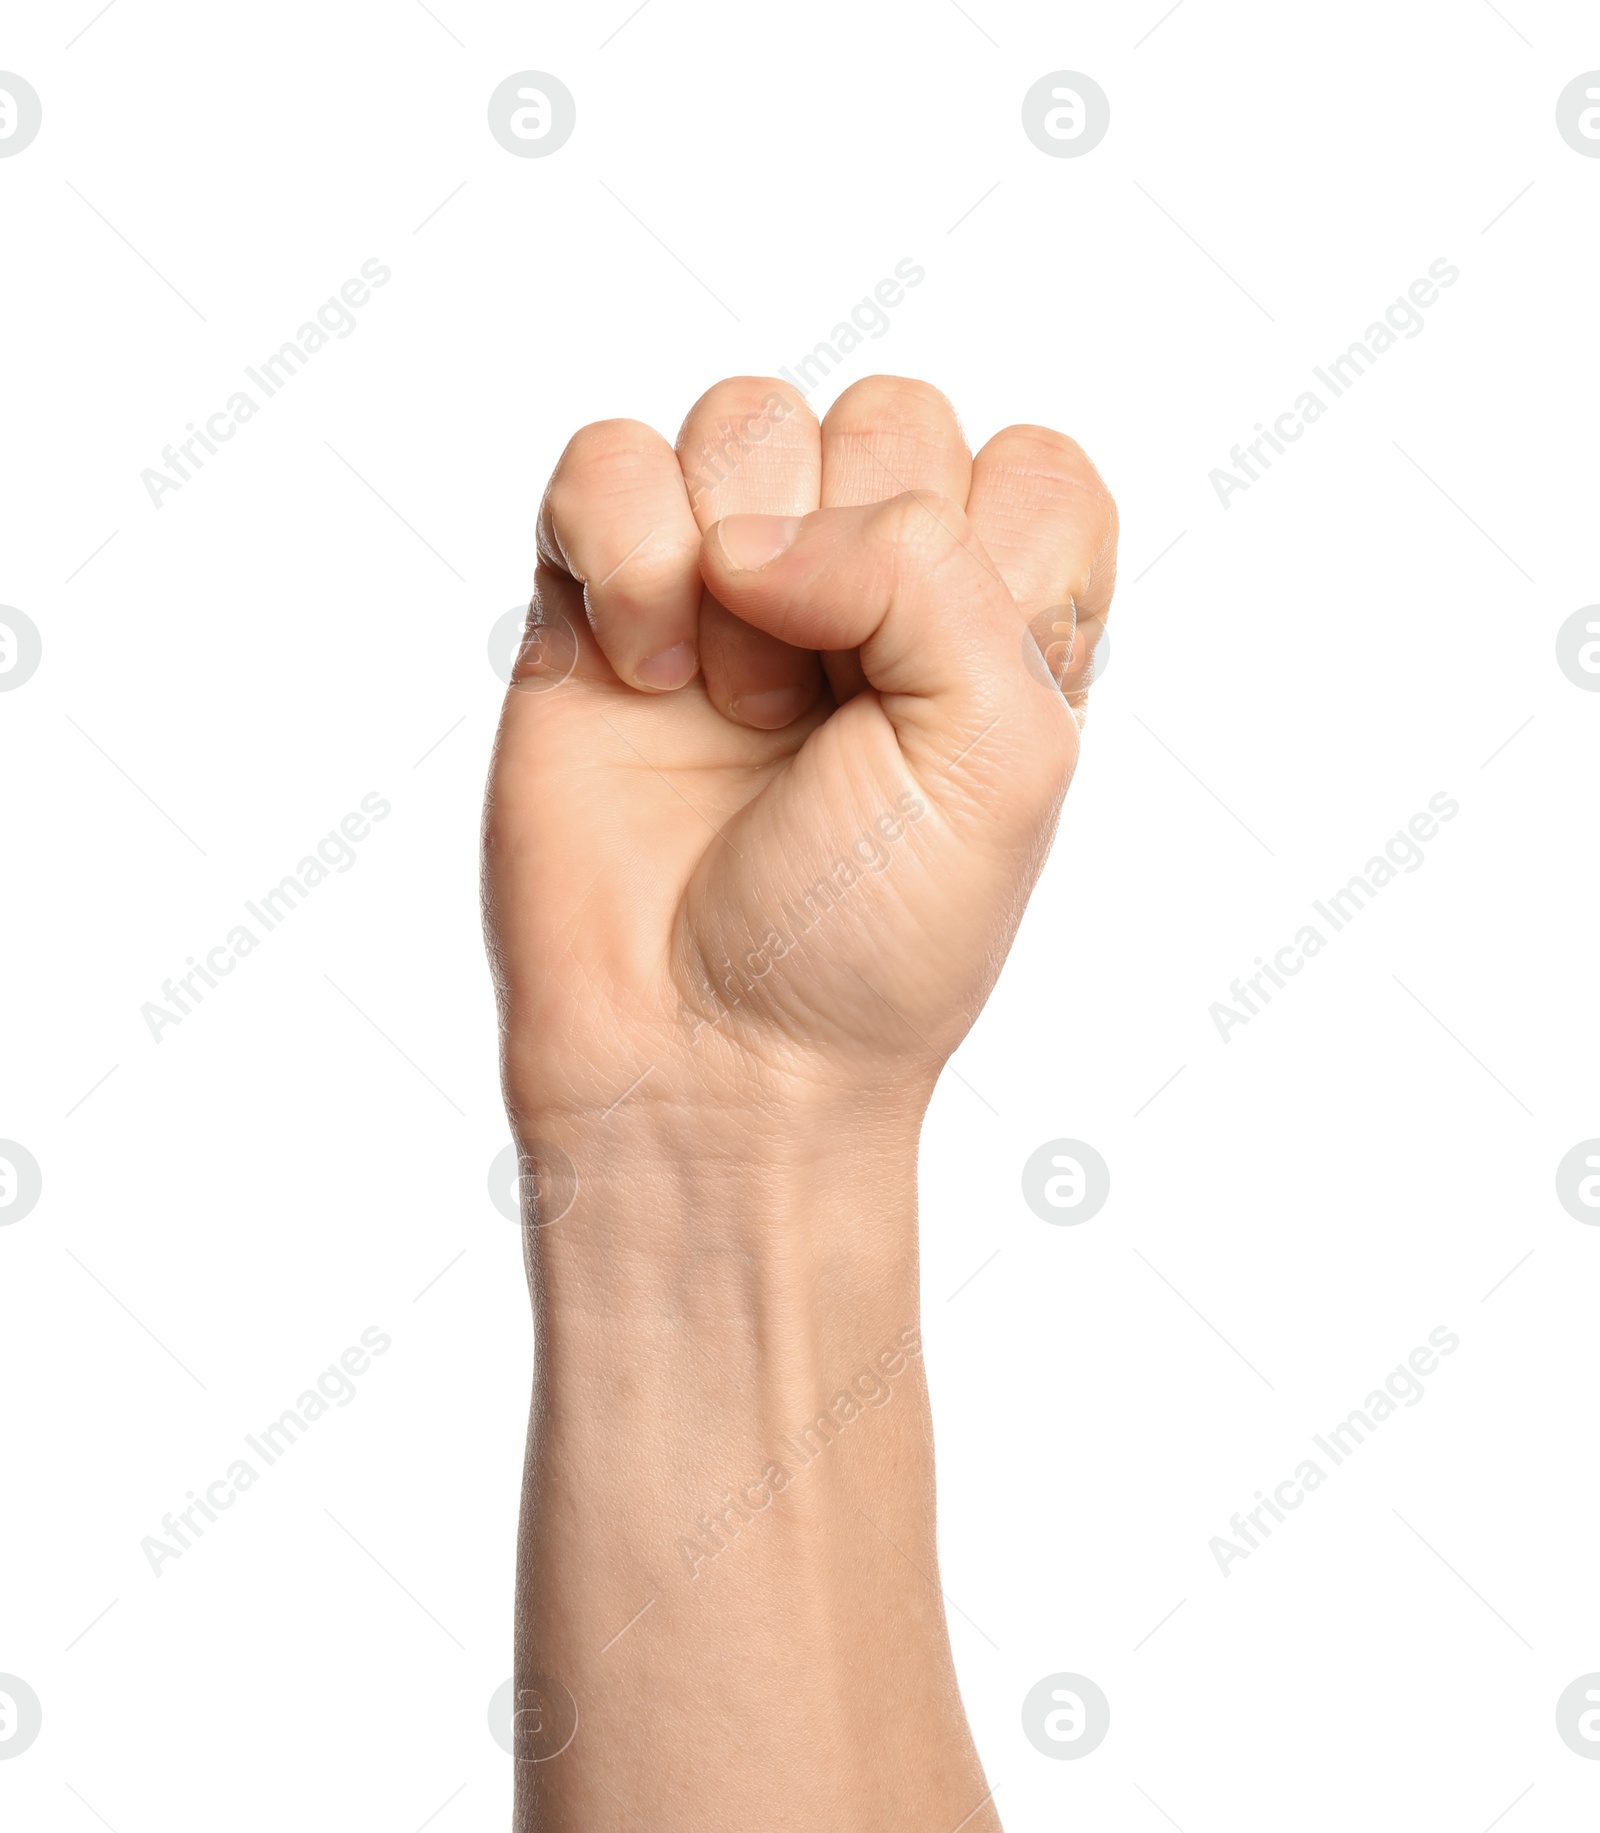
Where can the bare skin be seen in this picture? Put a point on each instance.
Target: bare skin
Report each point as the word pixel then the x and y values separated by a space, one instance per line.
pixel 780 764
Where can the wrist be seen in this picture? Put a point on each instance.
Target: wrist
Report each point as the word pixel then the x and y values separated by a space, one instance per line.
pixel 720 1288
pixel 750 1199
pixel 750 1165
pixel 682 1091
pixel 665 1245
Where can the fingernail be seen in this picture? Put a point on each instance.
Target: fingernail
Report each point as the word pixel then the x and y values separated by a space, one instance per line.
pixel 751 541
pixel 671 668
pixel 772 707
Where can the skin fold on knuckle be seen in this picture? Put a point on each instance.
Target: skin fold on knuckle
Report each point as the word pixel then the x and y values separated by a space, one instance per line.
pixel 1088 566
pixel 920 544
pixel 943 564
pixel 919 523
pixel 660 576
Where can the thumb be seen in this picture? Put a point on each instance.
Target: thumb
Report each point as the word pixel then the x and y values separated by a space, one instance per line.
pixel 942 641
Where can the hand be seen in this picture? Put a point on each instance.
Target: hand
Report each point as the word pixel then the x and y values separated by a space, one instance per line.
pixel 779 765
pixel 784 751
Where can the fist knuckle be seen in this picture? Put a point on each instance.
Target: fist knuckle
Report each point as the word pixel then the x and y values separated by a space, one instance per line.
pixel 738 398
pixel 886 394
pixel 602 455
pixel 1043 448
pixel 1061 465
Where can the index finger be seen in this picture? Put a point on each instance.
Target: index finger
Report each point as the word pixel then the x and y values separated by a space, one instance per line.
pixel 616 518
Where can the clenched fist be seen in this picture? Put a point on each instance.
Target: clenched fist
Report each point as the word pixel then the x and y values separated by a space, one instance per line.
pixel 785 744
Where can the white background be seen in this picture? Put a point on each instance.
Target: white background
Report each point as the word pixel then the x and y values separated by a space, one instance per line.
pixel 306 1155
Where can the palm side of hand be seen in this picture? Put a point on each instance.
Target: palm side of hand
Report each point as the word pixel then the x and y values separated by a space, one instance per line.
pixel 809 858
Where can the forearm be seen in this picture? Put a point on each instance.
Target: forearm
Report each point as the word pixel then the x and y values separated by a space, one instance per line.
pixel 730 1436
